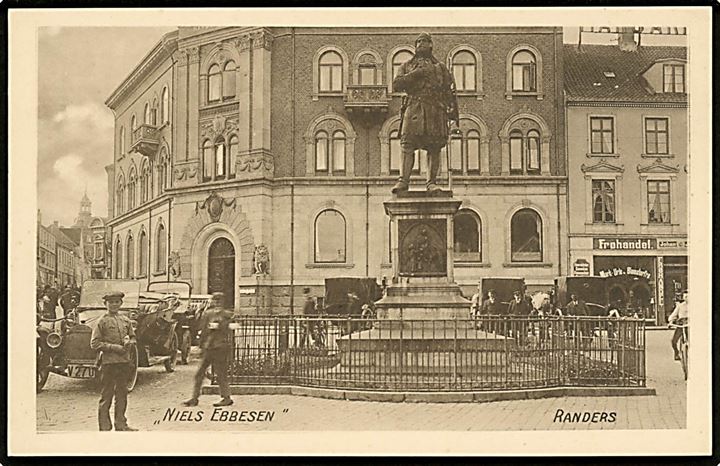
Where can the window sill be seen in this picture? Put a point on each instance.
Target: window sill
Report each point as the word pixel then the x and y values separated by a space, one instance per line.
pixel 591 155
pixel 471 264
pixel 477 95
pixel 385 265
pixel 659 225
pixel 528 264
pixel 141 276
pixel 317 95
pixel 600 225
pixel 158 273
pixel 218 104
pixel 329 265
pixel 657 156
pixel 511 94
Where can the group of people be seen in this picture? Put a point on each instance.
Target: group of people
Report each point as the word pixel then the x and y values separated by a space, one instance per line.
pixel 114 338
pixel 49 297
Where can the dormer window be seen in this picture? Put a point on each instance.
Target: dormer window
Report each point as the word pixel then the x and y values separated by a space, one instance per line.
pixel 609 74
pixel 674 78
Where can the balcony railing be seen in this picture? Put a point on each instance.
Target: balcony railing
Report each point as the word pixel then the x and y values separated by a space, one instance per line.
pixel 366 98
pixel 489 353
pixel 145 139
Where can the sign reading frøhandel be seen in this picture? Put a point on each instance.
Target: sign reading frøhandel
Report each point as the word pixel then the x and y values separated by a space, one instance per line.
pixel 624 244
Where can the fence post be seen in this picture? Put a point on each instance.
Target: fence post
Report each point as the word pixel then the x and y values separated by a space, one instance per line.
pixel 455 354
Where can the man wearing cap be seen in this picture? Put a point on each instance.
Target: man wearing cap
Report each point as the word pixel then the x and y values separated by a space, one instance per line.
pixel 216 344
pixel 113 337
pixel 430 103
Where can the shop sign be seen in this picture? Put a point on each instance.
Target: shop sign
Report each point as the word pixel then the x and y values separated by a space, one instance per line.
pixel 672 243
pixel 243 290
pixel 618 271
pixel 581 267
pixel 624 244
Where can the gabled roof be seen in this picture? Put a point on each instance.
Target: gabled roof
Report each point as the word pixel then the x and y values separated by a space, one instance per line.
pixel 61 237
pixel 591 64
pixel 73 234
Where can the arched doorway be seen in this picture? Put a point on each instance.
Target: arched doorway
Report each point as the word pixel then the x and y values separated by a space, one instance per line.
pixel 221 270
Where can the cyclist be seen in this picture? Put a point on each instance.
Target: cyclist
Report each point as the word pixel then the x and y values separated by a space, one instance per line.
pixel 678 318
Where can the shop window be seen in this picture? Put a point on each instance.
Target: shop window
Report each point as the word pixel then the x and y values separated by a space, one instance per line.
pixel 330 237
pixel 526 236
pixel 656 136
pixel 467 233
pixel 658 201
pixel 603 196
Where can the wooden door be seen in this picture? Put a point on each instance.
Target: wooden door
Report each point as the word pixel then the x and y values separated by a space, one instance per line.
pixel 221 270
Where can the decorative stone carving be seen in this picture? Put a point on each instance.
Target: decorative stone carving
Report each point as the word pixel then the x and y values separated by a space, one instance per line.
pixel 174 264
pixel 261 39
pixel 242 43
pixel 214 205
pixel 422 248
pixel 252 163
pixel 180 57
pixel 261 260
pixel 185 172
pixel 193 55
pixel 219 126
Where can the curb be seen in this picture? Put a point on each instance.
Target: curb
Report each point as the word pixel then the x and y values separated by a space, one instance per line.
pixel 432 397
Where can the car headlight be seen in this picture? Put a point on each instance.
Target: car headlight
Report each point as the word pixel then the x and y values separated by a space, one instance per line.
pixel 133 315
pixel 53 340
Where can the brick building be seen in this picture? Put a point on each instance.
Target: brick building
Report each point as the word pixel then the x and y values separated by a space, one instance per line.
pixel 229 139
pixel 627 126
pixel 46 250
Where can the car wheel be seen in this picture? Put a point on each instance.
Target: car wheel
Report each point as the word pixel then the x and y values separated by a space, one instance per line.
pixel 185 347
pixel 170 362
pixel 132 379
pixel 43 361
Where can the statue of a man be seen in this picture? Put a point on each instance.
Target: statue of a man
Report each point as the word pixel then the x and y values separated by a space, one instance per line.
pixel 429 105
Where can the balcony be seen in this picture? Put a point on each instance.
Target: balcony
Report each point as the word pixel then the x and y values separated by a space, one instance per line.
pixel 366 99
pixel 145 139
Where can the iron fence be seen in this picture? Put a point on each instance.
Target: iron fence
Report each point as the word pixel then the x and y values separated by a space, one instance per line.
pixel 489 353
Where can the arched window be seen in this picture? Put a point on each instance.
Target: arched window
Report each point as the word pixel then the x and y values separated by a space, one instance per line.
pixel 533 151
pixel 464 69
pixel 214 84
pixel 523 71
pixel 526 236
pixel 220 159
pixel 467 236
pixel 398 59
pixel 228 81
pixel 207 153
pixel 473 151
pixel 133 127
pixel 395 152
pixel 456 152
pixel 330 237
pixel 130 258
pixel 233 153
pixel 516 151
pixel 338 151
pixel 146 115
pixel 118 258
pixel 321 151
pixel 132 178
pixel 154 113
pixel 144 182
pixel 162 171
pixel 142 254
pixel 165 109
pixel 161 249
pixel 367 70
pixel 120 195
pixel 122 141
pixel 330 72
pixel 525 149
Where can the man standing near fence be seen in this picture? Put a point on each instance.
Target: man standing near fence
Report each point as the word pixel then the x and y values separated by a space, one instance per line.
pixel 215 344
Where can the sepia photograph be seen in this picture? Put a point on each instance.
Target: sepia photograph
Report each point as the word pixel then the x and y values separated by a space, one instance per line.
pixel 254 227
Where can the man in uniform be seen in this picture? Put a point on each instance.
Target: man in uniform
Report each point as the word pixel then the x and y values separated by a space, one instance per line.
pixel 431 102
pixel 216 344
pixel 114 337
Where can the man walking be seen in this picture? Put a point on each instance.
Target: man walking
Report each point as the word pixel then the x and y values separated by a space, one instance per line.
pixel 114 337
pixel 216 344
pixel 431 102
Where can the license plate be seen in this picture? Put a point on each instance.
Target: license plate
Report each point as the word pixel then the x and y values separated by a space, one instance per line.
pixel 81 372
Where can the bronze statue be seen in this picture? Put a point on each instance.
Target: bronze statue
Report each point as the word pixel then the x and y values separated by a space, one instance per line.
pixel 428 106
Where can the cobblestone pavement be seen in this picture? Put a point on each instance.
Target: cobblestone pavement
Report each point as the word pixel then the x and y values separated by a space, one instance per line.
pixel 71 405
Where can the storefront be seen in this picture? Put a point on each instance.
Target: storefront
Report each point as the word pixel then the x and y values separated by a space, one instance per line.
pixel 644 274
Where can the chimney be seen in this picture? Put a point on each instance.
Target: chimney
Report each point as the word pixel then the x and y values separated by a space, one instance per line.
pixel 626 39
pixel 56 224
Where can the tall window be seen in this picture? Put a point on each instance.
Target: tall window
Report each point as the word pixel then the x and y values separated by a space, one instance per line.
pixel 330 237
pixel 118 258
pixel 145 182
pixel 120 196
pixel 130 258
pixel 133 126
pixel 229 80
pixel 467 236
pixel 143 254
pixel 207 152
pixel 122 141
pixel 398 59
pixel 331 70
pixel 214 84
pixel 656 136
pixel 456 152
pixel 162 172
pixel 464 70
pixel 146 115
pixel 526 236
pixel 603 196
pixel 161 252
pixel 395 152
pixel 131 189
pixel 516 151
pixel 674 78
pixel 220 158
pixel 472 147
pixel 367 70
pixel 532 154
pixel 658 200
pixel 165 109
pixel 154 113
pixel 523 71
pixel 233 153
pixel 330 152
pixel 524 152
pixel 602 135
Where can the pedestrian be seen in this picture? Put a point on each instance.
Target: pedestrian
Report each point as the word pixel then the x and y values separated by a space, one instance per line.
pixel 68 300
pixel 215 344
pixel 113 337
pixel 679 317
pixel 519 308
pixel 491 310
pixel 577 308
pixel 476 306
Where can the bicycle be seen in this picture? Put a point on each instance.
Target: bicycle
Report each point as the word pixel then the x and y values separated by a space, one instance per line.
pixel 683 350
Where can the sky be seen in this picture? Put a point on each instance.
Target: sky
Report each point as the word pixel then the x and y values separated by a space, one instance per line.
pixel 79 67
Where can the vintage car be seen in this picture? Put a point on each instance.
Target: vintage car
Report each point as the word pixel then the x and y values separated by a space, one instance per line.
pixel 187 311
pixel 66 350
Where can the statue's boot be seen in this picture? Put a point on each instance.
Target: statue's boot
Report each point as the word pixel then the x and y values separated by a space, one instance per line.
pixel 400 186
pixel 432 188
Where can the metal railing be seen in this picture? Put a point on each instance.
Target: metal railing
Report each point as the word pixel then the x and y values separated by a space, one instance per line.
pixel 489 353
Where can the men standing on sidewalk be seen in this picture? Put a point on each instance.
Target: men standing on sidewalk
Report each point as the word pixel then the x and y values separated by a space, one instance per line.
pixel 113 337
pixel 216 344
